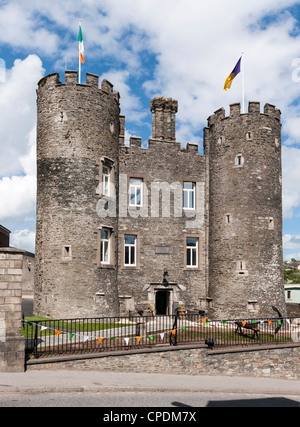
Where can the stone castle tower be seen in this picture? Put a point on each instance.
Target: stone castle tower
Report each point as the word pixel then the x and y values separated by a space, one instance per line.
pixel 77 133
pixel 245 210
pixel 120 227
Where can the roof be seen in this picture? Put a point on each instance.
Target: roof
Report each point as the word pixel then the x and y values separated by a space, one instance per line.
pixel 4 229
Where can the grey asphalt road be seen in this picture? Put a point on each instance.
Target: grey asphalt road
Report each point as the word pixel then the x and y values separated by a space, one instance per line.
pixel 136 399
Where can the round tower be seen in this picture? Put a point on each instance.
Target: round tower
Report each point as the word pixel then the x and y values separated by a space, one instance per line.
pixel 77 165
pixel 245 212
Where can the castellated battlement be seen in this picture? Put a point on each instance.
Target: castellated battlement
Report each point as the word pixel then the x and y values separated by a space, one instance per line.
pixel 252 127
pixel 253 109
pixel 71 79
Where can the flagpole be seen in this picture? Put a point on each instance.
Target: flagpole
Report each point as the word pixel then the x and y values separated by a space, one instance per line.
pixel 243 84
pixel 79 73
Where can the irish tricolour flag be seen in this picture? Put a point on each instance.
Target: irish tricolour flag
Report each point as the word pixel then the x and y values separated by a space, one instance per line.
pixel 81 48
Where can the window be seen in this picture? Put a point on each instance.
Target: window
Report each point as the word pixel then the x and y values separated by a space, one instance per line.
pixel 289 294
pixel 192 252
pixel 227 219
pixel 105 180
pixel 239 160
pixel 135 192
pixel 241 268
pixel 67 253
pixel 130 250
pixel 188 195
pixel 271 223
pixel 105 246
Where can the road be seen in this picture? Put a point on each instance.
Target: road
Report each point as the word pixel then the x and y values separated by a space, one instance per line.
pixel 136 399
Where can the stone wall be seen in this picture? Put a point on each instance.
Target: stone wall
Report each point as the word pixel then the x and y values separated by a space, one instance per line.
pixel 274 362
pixel 160 230
pixel 12 344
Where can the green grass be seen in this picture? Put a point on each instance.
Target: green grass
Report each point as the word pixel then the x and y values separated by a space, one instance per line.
pixel 64 326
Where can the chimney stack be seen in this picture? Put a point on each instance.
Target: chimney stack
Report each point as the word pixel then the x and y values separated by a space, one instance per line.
pixel 163 118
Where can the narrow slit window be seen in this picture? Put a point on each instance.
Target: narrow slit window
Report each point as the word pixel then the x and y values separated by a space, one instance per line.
pixel 105 180
pixel 239 160
pixel 241 267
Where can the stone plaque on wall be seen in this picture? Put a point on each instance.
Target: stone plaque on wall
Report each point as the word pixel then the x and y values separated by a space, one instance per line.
pixel 163 250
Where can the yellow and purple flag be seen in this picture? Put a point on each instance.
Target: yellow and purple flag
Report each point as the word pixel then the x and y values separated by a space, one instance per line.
pixel 233 74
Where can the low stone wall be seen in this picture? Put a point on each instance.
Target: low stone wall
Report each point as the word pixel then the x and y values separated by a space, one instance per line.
pixel 293 309
pixel 262 361
pixel 12 344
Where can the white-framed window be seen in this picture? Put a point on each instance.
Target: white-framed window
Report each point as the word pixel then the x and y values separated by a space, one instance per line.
pixel 192 244
pixel 136 192
pixel 105 246
pixel 189 195
pixel 130 250
pixel 105 180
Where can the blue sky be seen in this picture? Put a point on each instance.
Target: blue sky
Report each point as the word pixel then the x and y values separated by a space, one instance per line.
pixel 182 49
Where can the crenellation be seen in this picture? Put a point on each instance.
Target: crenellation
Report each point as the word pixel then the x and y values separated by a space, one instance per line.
pixel 92 80
pixel 51 79
pixel 235 110
pixel 106 86
pixel 135 142
pixel 192 147
pixel 272 111
pixel 71 77
pixel 254 107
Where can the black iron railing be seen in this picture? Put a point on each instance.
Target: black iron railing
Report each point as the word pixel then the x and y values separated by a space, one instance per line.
pixel 54 337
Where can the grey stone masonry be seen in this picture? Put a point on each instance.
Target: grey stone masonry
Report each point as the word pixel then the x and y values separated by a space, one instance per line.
pixel 245 211
pixel 12 344
pixel 124 228
pixel 77 133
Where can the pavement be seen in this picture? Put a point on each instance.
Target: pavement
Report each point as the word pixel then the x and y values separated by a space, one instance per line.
pixel 60 381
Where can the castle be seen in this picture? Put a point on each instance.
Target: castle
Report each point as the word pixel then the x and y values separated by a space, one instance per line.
pixel 121 227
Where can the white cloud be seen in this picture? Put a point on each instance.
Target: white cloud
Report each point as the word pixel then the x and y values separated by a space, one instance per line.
pixel 17 195
pixel 22 28
pixel 291 179
pixel 18 113
pixel 18 146
pixel 291 246
pixel 130 103
pixel 23 239
pixel 291 242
